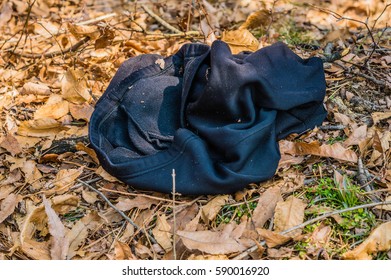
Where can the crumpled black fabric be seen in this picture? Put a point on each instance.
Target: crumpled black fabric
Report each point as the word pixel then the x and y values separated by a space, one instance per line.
pixel 212 116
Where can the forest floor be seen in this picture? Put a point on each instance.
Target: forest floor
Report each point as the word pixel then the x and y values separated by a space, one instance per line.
pixel 329 199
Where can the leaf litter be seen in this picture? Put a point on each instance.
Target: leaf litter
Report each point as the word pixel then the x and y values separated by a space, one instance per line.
pixel 53 71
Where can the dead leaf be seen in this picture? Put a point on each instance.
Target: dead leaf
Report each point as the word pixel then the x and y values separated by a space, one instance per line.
pixel 122 251
pixel 5 190
pixel 55 108
pixel 386 207
pixel 378 240
pixel 89 196
pixel 89 151
pixel 64 180
pixel 60 242
pixel 140 202
pixel 266 204
pixel 36 250
pixel 80 31
pixel 8 206
pixel 257 19
pixel 162 233
pixel 40 128
pixel 11 144
pixel 212 208
pixel 103 173
pixel 359 134
pixel 5 13
pixel 283 252
pixel 212 242
pixel 379 116
pixel 35 89
pixel 272 238
pixel 335 150
pixel 81 111
pixel 320 236
pixel 208 257
pixel 288 214
pixel 74 87
pixel 240 40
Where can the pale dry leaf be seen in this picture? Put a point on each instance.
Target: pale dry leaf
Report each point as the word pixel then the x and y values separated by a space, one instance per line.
pixel 31 173
pixel 122 251
pixel 140 202
pixel 60 243
pixel 266 204
pixel 54 110
pixel 289 213
pixel 89 196
pixel 272 238
pixel 193 224
pixel 335 150
pixel 5 13
pixel 280 253
pixel 5 190
pixel 162 233
pixel 80 31
pixel 212 242
pixel 208 257
pixel 378 240
pixel 35 89
pixel 74 87
pixel 11 144
pixel 240 40
pixel 212 208
pixel 379 116
pixel 344 119
pixel 184 217
pixel 81 111
pixel 79 232
pixel 64 180
pixel 88 151
pixel 8 206
pixel 320 236
pixel 260 18
pixel 36 250
pixel 359 134
pixel 103 173
pixel 40 128
pixel 386 207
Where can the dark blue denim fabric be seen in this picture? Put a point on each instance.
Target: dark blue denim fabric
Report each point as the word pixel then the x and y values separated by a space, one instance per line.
pixel 212 116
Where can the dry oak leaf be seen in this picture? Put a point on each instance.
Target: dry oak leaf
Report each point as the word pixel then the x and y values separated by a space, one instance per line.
pixel 266 204
pixel 162 233
pixel 35 89
pixel 36 250
pixel 378 240
pixel 40 128
pixel 80 31
pixel 59 240
pixel 54 108
pixel 240 40
pixel 212 242
pixel 74 87
pixel 81 111
pixel 320 236
pixel 140 202
pixel 359 134
pixel 256 19
pixel 103 173
pixel 379 116
pixel 11 144
pixel 289 213
pixel 272 238
pixel 65 179
pixel 122 251
pixel 8 205
pixel 212 208
pixel 335 150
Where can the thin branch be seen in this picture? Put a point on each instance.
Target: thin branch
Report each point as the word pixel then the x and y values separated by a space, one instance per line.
pixel 72 48
pixel 117 210
pixel 160 20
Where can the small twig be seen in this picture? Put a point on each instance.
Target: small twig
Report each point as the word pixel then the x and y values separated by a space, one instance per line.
pixel 332 127
pixel 95 20
pixel 117 210
pixel 160 20
pixel 55 53
pixel 314 220
pixel 174 212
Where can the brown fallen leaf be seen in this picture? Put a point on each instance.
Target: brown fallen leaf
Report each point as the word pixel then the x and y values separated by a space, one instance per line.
pixel 378 240
pixel 35 89
pixel 54 108
pixel 40 128
pixel 240 40
pixel 379 116
pixel 89 196
pixel 140 202
pixel 162 233
pixel 212 242
pixel 36 250
pixel 74 87
pixel 81 112
pixel 257 19
pixel 266 204
pixel 212 208
pixel 5 190
pixel 8 206
pixel 103 173
pixel 280 253
pixel 335 150
pixel 81 147
pixel 289 213
pixel 386 207
pixel 359 134
pixel 122 251
pixel 64 180
pixel 320 236
pixel 272 238
pixel 208 257
pixel 11 144
pixel 59 241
